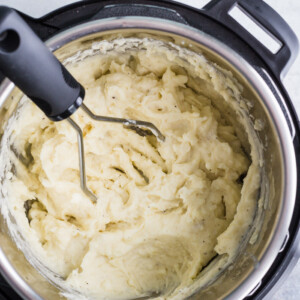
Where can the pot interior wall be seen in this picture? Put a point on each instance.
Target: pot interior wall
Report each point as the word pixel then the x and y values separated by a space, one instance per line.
pixel 269 204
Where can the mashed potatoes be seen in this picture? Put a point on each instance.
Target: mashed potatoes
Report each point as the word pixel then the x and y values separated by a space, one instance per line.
pixel 164 209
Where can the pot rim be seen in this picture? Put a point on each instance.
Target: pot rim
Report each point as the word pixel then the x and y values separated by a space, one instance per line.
pixel 256 81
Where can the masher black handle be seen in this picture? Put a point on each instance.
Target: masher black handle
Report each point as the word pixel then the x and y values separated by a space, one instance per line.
pixel 26 61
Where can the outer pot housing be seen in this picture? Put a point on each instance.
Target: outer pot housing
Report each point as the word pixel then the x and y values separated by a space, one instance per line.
pixel 261 81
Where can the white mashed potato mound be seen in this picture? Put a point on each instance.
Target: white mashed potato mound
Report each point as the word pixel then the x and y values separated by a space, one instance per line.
pixel 164 209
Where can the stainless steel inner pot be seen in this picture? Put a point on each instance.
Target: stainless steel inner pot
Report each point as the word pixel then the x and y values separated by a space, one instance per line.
pixel 279 169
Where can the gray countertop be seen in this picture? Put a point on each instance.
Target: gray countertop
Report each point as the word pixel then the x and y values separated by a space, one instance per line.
pixel 290 10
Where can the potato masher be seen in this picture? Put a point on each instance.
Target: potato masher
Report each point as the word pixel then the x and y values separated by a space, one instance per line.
pixel 27 62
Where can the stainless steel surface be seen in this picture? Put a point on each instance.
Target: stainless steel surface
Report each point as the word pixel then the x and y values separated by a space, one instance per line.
pixel 280 167
pixel 286 239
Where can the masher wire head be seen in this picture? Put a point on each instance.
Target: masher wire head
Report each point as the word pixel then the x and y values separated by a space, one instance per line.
pixel 128 123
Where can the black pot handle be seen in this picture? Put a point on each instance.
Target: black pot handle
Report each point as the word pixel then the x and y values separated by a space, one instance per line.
pixel 268 19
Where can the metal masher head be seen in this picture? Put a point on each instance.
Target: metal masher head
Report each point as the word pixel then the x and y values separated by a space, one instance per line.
pixel 143 127
pixel 36 71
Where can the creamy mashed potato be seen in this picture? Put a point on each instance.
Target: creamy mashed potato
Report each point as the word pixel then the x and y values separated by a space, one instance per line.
pixel 164 209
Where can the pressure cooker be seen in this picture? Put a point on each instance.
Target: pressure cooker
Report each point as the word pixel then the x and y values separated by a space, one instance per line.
pixel 214 32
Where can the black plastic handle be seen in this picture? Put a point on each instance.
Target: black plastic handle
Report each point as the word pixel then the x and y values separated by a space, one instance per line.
pixel 26 61
pixel 270 20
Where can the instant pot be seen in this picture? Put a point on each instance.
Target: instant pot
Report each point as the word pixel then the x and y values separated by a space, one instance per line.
pixel 273 249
